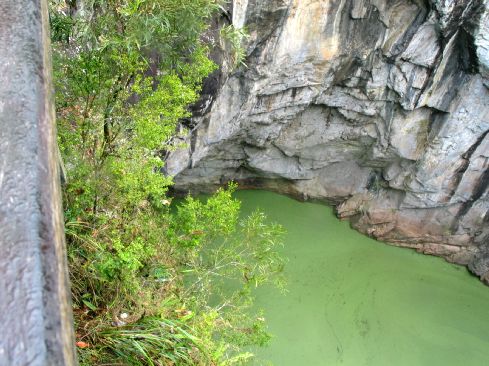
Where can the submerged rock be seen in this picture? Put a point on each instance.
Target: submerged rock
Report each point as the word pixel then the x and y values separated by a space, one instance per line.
pixel 379 107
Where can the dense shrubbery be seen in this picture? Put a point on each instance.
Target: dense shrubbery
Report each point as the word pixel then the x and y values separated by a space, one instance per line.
pixel 151 285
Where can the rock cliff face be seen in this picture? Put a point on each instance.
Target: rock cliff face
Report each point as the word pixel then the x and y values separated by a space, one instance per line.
pixel 380 107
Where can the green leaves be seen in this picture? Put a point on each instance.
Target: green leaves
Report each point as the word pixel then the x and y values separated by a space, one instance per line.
pixel 234 39
pixel 125 72
pixel 196 222
pixel 225 258
pixel 158 112
pixel 153 341
pixel 262 239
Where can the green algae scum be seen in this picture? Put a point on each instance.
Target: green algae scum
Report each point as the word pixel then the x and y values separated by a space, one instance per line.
pixel 354 301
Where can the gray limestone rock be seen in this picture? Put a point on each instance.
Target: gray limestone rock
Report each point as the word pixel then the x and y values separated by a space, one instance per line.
pixel 379 107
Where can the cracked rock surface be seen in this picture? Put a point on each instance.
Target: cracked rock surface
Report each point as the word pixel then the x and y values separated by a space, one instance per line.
pixel 380 107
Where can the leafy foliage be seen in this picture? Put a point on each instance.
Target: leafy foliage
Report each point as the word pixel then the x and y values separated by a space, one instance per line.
pixel 150 284
pixel 233 38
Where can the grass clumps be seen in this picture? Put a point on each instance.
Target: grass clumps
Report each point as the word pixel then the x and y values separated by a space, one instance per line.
pixel 151 285
pixel 181 296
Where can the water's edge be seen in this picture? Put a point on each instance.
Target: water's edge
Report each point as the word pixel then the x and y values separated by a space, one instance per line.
pixel 353 301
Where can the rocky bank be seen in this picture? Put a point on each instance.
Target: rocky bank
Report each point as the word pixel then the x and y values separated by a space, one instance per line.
pixel 380 107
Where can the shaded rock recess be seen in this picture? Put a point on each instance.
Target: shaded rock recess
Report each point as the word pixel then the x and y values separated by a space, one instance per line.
pixel 380 107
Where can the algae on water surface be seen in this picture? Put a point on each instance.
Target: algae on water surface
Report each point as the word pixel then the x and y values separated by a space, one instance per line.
pixel 353 301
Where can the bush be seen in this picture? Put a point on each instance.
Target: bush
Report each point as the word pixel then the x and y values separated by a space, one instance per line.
pixel 150 285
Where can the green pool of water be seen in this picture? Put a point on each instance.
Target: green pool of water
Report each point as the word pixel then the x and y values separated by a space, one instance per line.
pixel 354 301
